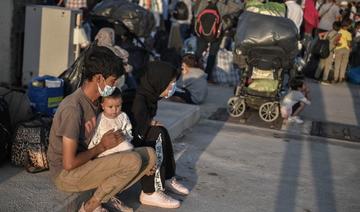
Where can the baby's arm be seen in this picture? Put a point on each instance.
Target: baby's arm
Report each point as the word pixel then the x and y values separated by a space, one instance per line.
pixel 126 127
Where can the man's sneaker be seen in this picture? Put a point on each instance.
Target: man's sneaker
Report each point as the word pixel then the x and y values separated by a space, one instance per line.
pixel 176 187
pixel 118 205
pixel 325 82
pixel 295 119
pixel 98 209
pixel 159 199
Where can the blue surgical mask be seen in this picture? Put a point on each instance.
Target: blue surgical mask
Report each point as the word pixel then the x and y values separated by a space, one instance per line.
pixel 108 90
pixel 172 91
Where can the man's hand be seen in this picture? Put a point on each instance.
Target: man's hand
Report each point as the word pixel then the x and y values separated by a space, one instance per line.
pixel 111 139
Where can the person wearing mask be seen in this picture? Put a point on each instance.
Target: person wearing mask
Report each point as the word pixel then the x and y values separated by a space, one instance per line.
pixel 74 167
pixel 159 81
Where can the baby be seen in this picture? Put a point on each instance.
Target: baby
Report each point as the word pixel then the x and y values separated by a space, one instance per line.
pixel 112 118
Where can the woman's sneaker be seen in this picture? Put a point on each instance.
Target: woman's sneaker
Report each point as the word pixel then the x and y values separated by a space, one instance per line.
pixel 159 199
pixel 295 119
pixel 176 187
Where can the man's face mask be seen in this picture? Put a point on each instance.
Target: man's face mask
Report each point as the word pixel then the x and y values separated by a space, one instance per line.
pixel 108 90
pixel 172 91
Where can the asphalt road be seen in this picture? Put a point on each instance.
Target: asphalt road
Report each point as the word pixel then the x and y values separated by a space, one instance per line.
pixel 229 168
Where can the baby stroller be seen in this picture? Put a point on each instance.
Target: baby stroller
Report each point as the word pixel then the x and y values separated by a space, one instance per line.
pixel 264 55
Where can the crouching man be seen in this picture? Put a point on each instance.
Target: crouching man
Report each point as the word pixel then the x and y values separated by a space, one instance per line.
pixel 74 167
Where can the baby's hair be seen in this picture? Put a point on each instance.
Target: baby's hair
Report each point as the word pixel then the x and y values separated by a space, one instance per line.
pixel 295 84
pixel 116 94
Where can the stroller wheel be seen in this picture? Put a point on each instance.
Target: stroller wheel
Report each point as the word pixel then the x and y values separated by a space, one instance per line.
pixel 269 111
pixel 236 106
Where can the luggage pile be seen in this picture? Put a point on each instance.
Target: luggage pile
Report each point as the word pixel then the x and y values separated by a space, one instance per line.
pixel 123 15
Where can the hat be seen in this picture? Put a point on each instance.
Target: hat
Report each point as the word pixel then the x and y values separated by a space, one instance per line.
pixel 344 3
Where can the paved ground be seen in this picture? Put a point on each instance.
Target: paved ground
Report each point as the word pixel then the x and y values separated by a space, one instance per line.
pixel 230 168
pixel 234 167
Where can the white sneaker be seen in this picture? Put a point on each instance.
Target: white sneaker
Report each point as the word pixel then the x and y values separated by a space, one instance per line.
pixel 159 199
pixel 295 119
pixel 176 187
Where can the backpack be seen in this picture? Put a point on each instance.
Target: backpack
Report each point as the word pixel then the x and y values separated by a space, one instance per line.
pixel 208 23
pixel 322 48
pixel 181 11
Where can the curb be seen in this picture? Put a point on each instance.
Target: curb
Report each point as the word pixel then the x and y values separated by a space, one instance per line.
pixel 286 135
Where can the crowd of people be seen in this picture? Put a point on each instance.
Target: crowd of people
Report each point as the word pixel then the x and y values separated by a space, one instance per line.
pixel 338 23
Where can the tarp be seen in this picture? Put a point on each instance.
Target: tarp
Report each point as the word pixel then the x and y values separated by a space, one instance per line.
pixel 257 30
pixel 138 20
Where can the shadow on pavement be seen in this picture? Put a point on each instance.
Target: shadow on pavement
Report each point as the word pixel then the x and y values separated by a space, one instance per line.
pixel 288 187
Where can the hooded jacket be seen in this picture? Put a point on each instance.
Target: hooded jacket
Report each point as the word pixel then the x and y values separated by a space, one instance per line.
pixel 155 80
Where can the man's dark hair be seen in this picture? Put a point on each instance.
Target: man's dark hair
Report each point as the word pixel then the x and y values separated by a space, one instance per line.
pixel 336 25
pixel 116 94
pixel 295 84
pixel 190 60
pixel 101 60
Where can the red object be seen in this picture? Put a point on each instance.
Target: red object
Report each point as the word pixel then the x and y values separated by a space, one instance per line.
pixel 148 4
pixel 311 16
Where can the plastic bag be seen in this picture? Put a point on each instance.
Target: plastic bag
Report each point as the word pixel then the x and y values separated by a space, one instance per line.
pixel 72 76
pixel 138 20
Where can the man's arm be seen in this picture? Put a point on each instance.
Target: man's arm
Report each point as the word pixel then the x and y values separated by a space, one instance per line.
pixel 71 160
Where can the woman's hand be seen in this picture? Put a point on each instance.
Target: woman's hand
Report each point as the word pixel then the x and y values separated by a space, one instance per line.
pixel 151 171
pixel 156 123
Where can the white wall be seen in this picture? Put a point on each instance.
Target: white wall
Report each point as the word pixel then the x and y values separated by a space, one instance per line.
pixel 6 10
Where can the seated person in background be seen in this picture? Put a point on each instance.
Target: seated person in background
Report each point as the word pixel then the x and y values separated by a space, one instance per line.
pixel 106 37
pixel 294 102
pixel 192 84
pixel 112 118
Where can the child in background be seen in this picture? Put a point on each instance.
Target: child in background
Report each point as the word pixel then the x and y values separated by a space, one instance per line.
pixel 192 84
pixel 112 119
pixel 342 52
pixel 294 102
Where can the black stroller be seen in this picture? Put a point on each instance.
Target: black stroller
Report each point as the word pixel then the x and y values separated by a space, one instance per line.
pixel 264 53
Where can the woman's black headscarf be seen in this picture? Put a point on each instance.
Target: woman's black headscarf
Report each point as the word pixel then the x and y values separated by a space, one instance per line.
pixel 155 80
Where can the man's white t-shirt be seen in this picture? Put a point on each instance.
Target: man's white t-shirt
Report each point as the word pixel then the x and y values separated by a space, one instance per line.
pixel 294 13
